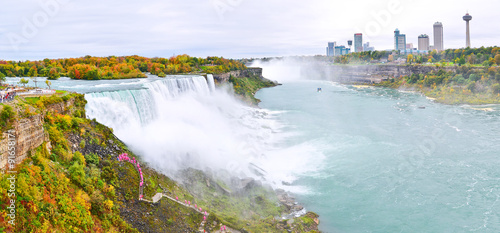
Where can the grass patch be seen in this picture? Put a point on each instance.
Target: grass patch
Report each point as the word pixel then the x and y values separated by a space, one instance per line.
pixel 60 92
pixel 32 100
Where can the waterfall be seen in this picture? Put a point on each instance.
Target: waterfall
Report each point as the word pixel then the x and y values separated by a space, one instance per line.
pixel 141 106
pixel 121 107
pixel 211 82
pixel 183 121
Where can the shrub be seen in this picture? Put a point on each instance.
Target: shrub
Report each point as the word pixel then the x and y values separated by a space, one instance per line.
pixel 109 175
pixel 474 77
pixel 496 88
pixel 471 86
pixel 92 158
pixel 77 173
pixel 96 201
pixel 6 116
pixel 78 157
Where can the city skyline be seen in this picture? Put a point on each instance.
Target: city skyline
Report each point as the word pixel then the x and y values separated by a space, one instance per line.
pixel 233 29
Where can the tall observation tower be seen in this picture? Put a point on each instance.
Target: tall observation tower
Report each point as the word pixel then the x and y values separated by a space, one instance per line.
pixel 467 18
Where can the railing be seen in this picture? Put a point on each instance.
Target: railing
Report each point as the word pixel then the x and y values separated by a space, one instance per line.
pixel 158 196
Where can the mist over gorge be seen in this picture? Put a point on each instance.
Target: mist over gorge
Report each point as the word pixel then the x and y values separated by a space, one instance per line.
pixel 186 122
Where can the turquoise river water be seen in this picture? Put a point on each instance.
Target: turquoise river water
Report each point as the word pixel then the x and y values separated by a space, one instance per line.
pixel 388 164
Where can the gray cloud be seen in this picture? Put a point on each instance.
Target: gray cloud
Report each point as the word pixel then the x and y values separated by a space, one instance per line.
pixel 229 28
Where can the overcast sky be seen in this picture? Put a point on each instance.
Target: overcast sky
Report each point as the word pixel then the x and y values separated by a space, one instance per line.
pixel 37 29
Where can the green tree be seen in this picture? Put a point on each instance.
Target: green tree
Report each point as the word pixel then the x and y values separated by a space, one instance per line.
pixel 497 59
pixel 409 59
pixel 33 74
pixel 6 115
pixel 48 83
pixel 53 74
pixel 2 78
pixel 24 81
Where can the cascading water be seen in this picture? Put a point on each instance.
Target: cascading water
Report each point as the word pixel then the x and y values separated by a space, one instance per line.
pixel 181 122
pixel 211 82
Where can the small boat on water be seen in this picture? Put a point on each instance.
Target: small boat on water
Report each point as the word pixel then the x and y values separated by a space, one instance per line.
pixel 319 89
pixel 421 107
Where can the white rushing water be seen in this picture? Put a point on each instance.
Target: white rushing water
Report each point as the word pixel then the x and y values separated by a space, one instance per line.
pixel 182 122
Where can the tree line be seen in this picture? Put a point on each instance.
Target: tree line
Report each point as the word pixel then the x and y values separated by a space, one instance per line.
pixel 483 56
pixel 112 67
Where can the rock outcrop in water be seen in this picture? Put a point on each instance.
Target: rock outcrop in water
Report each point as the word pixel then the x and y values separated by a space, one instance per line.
pixel 249 72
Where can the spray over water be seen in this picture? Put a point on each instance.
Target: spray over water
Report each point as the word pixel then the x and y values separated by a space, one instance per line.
pixel 185 122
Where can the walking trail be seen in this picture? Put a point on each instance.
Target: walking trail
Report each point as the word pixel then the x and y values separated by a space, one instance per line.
pixel 158 196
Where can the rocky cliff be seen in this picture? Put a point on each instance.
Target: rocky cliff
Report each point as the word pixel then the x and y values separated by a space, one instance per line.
pixel 64 107
pixel 249 72
pixel 29 134
pixel 375 73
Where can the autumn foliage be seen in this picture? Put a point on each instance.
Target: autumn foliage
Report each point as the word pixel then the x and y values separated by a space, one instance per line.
pixel 95 68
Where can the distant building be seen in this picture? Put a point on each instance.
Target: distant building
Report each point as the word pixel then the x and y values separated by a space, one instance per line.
pixel 467 18
pixel 345 51
pixel 341 50
pixel 399 40
pixel 366 47
pixel 414 51
pixel 330 50
pixel 438 36
pixel 409 46
pixel 358 42
pixel 349 43
pixel 423 42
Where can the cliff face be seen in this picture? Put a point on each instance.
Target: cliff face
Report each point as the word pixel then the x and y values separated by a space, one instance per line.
pixel 65 107
pixel 29 134
pixel 249 72
pixel 375 73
